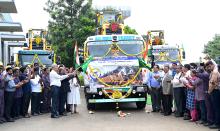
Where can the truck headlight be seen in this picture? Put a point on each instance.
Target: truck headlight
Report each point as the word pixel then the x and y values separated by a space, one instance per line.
pixel 134 91
pixel 140 89
pixel 100 93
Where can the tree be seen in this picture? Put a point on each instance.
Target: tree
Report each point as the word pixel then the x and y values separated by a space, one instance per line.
pixel 71 21
pixel 129 30
pixel 213 48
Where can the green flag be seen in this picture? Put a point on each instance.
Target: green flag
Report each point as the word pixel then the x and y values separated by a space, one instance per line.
pixel 86 63
pixel 142 64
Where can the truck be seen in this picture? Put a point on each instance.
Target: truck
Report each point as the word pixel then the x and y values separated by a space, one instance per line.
pixel 160 53
pixel 37 50
pixel 114 71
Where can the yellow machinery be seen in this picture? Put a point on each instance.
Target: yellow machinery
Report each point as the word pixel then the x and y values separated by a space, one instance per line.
pixel 109 21
pixel 160 53
pixel 37 39
pixel 37 50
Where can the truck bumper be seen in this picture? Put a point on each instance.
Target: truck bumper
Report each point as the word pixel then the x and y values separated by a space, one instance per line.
pixel 116 100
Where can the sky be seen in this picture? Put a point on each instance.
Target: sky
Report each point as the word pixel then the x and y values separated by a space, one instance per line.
pixel 191 23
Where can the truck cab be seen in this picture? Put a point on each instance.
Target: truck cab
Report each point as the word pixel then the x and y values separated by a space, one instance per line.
pixel 114 73
pixel 29 57
pixel 36 50
pixel 160 53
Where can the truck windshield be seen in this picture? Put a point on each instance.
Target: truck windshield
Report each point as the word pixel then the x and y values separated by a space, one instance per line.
pixel 100 48
pixel 27 59
pixel 163 55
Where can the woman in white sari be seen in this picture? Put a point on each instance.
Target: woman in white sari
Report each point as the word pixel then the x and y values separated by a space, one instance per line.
pixel 73 97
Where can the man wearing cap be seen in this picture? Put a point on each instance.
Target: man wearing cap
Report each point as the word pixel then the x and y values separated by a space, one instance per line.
pixel 2 103
pixel 55 83
pixel 10 88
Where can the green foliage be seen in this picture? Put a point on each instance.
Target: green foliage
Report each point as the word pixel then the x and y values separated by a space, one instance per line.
pixel 129 30
pixel 70 21
pixel 213 47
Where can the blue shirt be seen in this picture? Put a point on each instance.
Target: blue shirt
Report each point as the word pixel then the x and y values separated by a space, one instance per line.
pixel 27 86
pixel 152 82
pixel 9 83
pixel 173 72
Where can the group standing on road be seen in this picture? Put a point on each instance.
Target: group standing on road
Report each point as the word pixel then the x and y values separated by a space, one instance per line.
pixel 42 90
pixel 195 90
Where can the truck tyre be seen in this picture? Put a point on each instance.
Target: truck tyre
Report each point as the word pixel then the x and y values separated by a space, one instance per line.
pixel 90 106
pixel 141 105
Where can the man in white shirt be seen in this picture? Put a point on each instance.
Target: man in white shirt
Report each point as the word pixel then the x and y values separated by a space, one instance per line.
pixel 178 92
pixel 55 83
pixel 36 93
pixel 184 79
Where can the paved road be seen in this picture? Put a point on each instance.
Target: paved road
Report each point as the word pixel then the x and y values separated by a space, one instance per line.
pixel 104 120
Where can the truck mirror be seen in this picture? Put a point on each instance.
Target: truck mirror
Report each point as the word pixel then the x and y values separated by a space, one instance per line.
pixel 25 45
pixel 12 58
pixel 184 54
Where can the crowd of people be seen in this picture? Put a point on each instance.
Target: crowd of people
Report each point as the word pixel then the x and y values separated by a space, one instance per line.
pixel 190 91
pixel 194 88
pixel 43 90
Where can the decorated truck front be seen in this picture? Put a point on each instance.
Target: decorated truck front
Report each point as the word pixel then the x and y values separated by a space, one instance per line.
pixel 29 57
pixel 114 71
pixel 166 55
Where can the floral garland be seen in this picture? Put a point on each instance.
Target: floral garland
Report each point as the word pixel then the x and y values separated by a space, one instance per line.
pixel 36 57
pixel 115 43
pixel 162 55
pixel 126 84
pixel 114 27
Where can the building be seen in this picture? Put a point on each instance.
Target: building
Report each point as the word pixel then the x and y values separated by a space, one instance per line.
pixel 8 38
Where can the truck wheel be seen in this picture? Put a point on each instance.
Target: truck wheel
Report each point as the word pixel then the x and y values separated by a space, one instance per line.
pixel 90 106
pixel 141 105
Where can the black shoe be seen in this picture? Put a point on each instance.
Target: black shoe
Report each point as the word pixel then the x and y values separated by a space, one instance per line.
pixel 167 113
pixel 159 110
pixel 54 116
pixel 34 114
pixel 153 111
pixel 40 113
pixel 186 118
pixel 177 115
pixel 214 126
pixel 10 120
pixel 3 120
pixel 202 122
pixel 16 118
pixel 208 124
pixel 27 116
pixel 63 114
